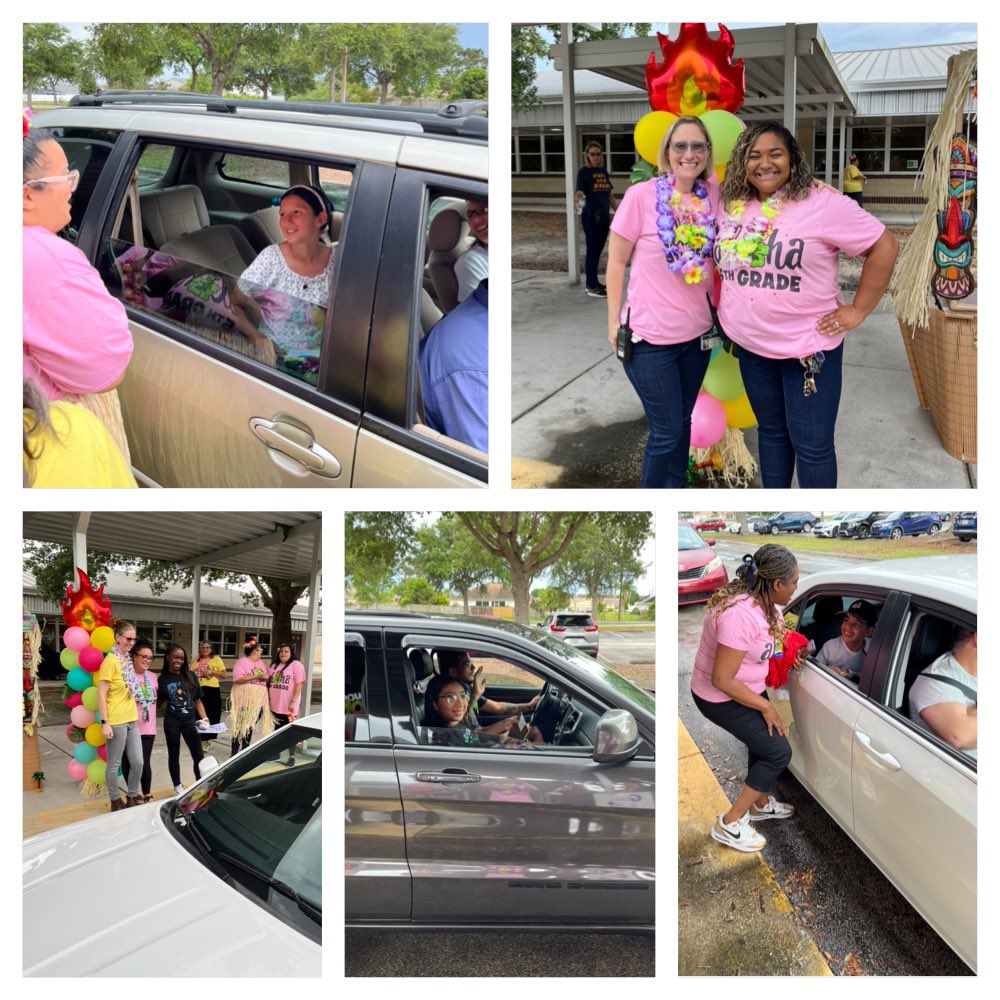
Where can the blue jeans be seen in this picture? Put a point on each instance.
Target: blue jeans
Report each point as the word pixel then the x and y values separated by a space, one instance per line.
pixel 667 379
pixel 795 432
pixel 595 229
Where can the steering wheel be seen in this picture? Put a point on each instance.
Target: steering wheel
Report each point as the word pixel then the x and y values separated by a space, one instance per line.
pixel 548 712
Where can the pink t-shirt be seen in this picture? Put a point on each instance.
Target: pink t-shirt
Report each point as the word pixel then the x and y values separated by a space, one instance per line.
pixel 665 309
pixel 244 667
pixel 742 625
pixel 76 335
pixel 147 727
pixel 283 683
pixel 773 310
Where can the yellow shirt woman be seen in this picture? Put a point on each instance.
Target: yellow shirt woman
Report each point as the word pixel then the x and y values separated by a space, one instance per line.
pixel 121 704
pixel 854 180
pixel 207 680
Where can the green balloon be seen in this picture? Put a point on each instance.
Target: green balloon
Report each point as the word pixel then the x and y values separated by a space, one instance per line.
pixel 723 379
pixel 69 659
pixel 90 699
pixel 724 128
pixel 96 770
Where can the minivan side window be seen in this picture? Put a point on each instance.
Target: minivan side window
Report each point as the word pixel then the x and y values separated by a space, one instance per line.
pixel 87 150
pixel 355 694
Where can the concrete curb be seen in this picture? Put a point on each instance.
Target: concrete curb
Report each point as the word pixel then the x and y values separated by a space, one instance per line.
pixel 734 918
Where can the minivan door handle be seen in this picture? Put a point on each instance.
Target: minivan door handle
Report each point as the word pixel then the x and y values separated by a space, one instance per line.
pixel 885 760
pixel 449 776
pixel 293 440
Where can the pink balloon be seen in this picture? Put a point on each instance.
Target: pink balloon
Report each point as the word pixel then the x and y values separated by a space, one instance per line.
pixel 76 698
pixel 77 771
pixel 82 717
pixel 102 752
pixel 91 659
pixel 76 638
pixel 708 421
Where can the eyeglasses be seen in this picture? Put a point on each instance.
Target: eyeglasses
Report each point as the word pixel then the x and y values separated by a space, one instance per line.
pixel 594 152
pixel 475 213
pixel 73 176
pixel 452 697
pixel 129 638
pixel 143 656
pixel 698 148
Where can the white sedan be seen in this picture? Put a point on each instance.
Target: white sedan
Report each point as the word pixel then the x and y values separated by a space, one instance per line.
pixel 223 881
pixel 906 797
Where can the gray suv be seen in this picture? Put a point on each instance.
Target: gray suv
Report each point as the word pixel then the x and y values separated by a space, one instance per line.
pixel 578 629
pixel 178 195
pixel 488 835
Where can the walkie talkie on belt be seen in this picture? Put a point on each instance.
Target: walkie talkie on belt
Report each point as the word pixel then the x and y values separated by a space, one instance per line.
pixel 623 351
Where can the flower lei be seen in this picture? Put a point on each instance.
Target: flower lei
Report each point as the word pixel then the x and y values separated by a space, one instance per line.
pixel 751 246
pixel 688 246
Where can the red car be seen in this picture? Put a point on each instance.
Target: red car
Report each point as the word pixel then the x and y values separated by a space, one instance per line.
pixel 709 524
pixel 700 572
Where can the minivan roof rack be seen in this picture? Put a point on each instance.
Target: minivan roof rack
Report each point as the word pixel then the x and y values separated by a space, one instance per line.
pixel 459 118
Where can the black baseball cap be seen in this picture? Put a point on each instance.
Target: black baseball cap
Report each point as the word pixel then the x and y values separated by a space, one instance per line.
pixel 863 610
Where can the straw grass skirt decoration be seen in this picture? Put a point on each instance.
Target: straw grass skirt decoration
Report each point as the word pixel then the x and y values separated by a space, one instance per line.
pixel 248 703
pixel 943 359
pixel 107 409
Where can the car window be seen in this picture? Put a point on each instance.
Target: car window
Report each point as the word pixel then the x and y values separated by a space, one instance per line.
pixel 87 150
pixel 255 169
pixel 575 621
pixel 821 619
pixel 337 185
pixel 356 728
pixel 154 163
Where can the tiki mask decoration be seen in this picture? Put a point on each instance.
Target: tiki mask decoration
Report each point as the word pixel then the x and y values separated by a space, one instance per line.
pixel 953 249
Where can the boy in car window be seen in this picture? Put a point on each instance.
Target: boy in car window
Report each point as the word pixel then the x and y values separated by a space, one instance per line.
pixel 845 653
pixel 944 697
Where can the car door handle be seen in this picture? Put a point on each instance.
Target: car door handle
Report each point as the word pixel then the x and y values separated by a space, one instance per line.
pixel 449 776
pixel 297 443
pixel 886 760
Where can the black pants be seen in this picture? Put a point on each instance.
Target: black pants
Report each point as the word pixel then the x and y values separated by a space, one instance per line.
pixel 595 229
pixel 279 720
pixel 767 756
pixel 147 771
pixel 174 729
pixel 211 698
pixel 236 745
pixel 856 196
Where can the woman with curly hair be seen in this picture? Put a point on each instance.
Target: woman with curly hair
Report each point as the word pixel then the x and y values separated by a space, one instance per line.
pixel 743 629
pixel 780 238
pixel 664 231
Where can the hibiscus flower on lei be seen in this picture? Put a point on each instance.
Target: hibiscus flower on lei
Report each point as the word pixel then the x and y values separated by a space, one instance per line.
pixel 750 247
pixel 687 246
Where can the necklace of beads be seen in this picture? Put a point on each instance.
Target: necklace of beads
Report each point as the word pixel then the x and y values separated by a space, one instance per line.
pixel 687 246
pixel 750 247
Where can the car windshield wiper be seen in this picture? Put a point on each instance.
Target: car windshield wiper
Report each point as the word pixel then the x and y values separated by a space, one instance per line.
pixel 200 841
pixel 310 910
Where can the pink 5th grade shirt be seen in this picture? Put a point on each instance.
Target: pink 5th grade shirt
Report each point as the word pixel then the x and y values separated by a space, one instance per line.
pixel 773 310
pixel 665 309
pixel 76 336
pixel 147 727
pixel 742 625
pixel 245 667
pixel 283 683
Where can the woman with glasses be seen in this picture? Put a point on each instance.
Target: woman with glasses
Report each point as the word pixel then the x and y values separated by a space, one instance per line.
pixel 145 705
pixel 446 702
pixel 76 340
pixel 594 202
pixel 117 691
pixel 665 229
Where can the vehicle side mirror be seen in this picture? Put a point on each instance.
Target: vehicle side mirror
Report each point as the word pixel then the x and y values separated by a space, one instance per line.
pixel 207 765
pixel 617 737
pixel 711 541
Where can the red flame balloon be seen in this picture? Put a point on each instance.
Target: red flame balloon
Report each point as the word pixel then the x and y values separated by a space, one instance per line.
pixel 697 74
pixel 86 607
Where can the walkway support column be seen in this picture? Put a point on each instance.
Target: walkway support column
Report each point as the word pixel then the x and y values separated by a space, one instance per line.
pixel 791 77
pixel 843 149
pixel 196 610
pixel 81 522
pixel 312 620
pixel 570 150
pixel 828 173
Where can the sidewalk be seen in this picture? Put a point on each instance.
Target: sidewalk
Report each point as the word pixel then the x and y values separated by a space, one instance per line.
pixel 734 919
pixel 60 803
pixel 578 423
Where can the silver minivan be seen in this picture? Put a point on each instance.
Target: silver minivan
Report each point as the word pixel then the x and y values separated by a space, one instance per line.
pixel 178 194
pixel 556 835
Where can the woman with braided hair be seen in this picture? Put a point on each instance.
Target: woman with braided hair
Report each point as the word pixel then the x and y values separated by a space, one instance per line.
pixel 743 629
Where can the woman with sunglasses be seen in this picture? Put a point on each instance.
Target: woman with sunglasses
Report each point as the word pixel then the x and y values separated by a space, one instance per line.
pixel 593 193
pixel 145 706
pixel 665 229
pixel 76 340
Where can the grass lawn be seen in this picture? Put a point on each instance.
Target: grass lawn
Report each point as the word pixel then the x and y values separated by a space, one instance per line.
pixel 942 544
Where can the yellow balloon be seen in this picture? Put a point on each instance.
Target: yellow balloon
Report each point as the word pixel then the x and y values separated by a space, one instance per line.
pixel 94 734
pixel 649 132
pixel 102 638
pixel 724 128
pixel 720 171
pixel 739 413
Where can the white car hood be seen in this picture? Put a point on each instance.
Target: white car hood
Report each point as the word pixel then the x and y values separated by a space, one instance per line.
pixel 119 896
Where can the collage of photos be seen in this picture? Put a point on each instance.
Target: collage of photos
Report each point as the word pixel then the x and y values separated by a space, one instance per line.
pixel 743 256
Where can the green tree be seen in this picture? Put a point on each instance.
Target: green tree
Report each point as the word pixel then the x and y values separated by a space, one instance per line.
pixel 528 542
pixel 376 544
pixel 126 56
pixel 181 49
pixel 331 48
pixel 52 566
pixel 406 59
pixel 448 555
pixel 416 590
pixel 222 47
pixel 551 599
pixel 48 56
pixel 469 85
pixel 273 55
pixel 528 45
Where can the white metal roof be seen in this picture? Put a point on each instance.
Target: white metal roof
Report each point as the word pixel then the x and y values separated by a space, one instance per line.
pixel 278 544
pixel 913 65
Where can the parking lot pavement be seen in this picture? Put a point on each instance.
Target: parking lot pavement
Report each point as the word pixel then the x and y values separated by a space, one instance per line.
pixel 623 648
pixel 578 423
pixel 497 953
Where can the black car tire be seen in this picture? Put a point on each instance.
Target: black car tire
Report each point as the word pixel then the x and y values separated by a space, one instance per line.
pixel 963 539
pixel 863 532
pixel 896 534
pixel 775 530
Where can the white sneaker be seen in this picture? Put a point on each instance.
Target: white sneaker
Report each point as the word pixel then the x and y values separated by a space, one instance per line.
pixel 739 835
pixel 179 789
pixel 773 810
